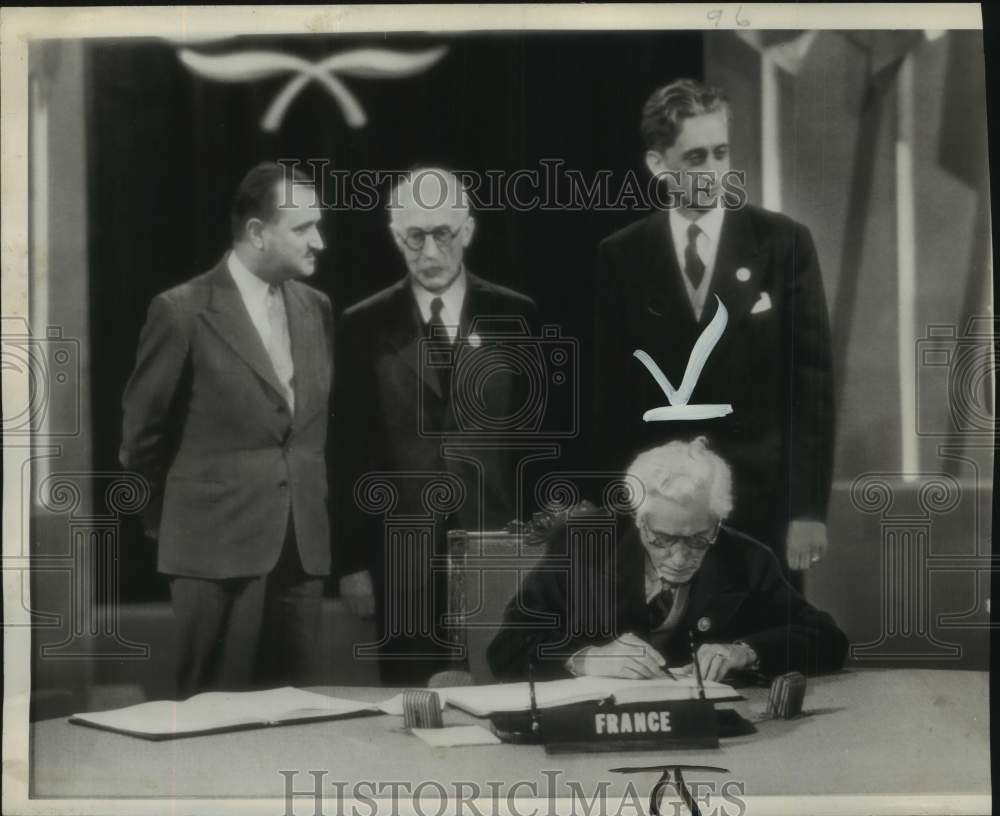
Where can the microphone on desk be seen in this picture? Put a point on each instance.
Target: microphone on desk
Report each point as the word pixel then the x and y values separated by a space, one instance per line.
pixel 536 725
pixel 521 727
pixel 421 709
pixel 787 695
pixel 450 678
pixel 697 668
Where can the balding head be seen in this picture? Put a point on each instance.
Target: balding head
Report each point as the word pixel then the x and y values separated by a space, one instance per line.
pixel 430 221
pixel 432 189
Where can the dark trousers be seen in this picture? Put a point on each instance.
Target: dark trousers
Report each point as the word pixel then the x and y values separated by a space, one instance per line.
pixel 242 633
pixel 772 531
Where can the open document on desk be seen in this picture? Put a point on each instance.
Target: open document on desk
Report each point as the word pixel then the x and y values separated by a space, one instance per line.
pixel 482 701
pixel 217 711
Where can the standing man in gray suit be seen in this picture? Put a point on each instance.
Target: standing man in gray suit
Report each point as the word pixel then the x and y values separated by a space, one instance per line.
pixel 226 416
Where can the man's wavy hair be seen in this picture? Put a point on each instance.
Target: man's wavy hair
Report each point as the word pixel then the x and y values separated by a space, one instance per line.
pixel 680 471
pixel 257 195
pixel 669 106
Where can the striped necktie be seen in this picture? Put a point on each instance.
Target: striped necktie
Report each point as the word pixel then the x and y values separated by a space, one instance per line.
pixel 279 346
pixel 438 333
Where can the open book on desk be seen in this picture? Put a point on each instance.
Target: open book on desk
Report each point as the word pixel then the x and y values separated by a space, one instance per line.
pixel 217 711
pixel 482 701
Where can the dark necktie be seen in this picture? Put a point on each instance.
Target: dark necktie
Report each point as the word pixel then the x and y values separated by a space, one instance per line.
pixel 694 269
pixel 659 607
pixel 441 343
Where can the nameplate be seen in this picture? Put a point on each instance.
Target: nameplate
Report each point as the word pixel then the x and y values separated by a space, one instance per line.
pixel 611 726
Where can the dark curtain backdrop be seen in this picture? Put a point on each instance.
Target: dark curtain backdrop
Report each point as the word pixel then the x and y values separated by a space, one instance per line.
pixel 166 148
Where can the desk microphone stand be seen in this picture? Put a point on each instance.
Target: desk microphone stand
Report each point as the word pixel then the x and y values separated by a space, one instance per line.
pixel 536 725
pixel 697 668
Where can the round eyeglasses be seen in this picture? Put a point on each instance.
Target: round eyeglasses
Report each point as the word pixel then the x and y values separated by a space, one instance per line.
pixel 443 236
pixel 695 544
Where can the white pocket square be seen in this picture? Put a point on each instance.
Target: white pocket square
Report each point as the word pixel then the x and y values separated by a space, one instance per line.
pixel 763 304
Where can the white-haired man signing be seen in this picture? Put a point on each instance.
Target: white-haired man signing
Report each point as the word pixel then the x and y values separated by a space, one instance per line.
pixel 676 574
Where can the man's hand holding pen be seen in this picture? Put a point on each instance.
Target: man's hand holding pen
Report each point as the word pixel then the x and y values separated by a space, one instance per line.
pixel 628 656
pixel 717 660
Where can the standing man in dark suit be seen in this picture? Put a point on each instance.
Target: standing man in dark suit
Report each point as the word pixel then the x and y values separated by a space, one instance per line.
pixel 226 416
pixel 660 283
pixel 396 414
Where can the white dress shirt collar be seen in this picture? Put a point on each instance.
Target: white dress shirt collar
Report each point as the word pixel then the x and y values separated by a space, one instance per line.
pixel 253 293
pixel 247 282
pixel 453 298
pixel 710 223
pixel 654 583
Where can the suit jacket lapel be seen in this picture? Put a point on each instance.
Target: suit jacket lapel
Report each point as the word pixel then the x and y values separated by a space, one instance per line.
pixel 405 331
pixel 738 249
pixel 631 580
pixel 229 318
pixel 478 302
pixel 713 599
pixel 666 296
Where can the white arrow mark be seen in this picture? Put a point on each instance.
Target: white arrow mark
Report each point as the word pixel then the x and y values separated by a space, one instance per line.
pixel 678 397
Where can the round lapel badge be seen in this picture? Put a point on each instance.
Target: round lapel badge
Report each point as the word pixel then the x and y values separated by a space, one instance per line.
pixel 742 274
pixel 704 624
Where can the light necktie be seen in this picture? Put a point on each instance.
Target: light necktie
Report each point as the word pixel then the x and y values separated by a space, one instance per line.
pixel 279 347
pixel 694 268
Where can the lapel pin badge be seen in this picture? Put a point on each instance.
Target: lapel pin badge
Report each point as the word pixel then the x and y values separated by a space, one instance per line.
pixel 704 624
pixel 474 340
pixel 742 274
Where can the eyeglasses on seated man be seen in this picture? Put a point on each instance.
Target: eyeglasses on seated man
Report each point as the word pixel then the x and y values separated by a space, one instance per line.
pixel 674 574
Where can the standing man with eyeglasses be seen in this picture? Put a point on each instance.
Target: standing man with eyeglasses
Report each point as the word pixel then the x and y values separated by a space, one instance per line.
pixel 395 412
pixel 678 571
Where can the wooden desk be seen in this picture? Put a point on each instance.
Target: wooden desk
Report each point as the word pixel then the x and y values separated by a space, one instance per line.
pixel 900 732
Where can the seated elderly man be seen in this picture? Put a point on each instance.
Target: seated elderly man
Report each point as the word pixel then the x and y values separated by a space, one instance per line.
pixel 675 573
